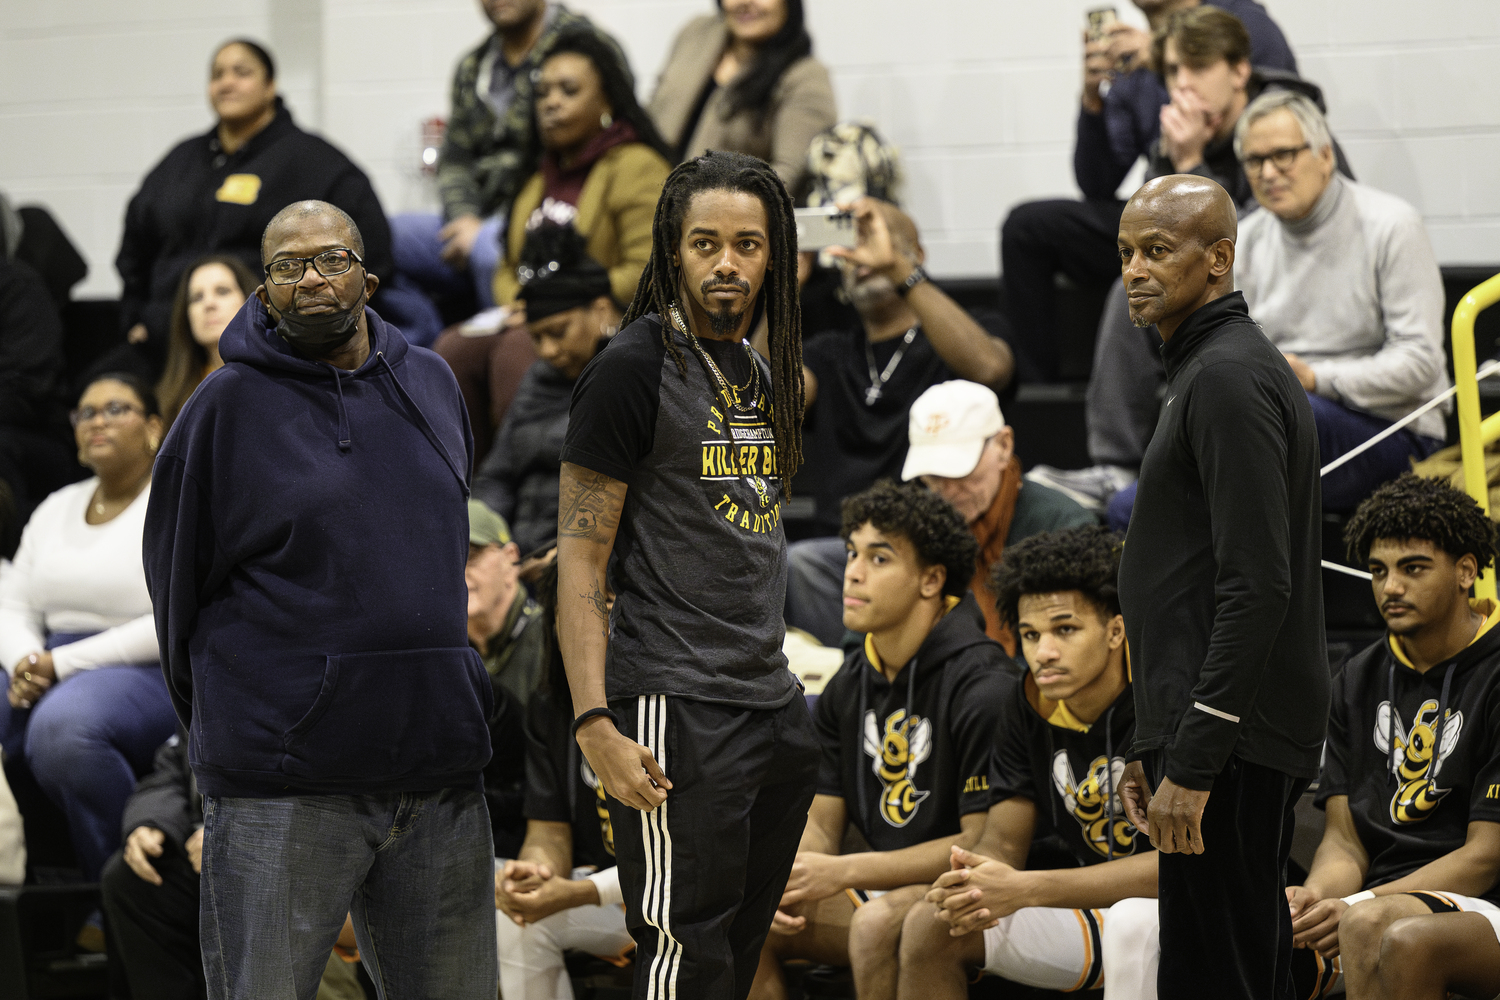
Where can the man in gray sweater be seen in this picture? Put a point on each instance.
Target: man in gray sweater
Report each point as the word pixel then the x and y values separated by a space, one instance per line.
pixel 1343 280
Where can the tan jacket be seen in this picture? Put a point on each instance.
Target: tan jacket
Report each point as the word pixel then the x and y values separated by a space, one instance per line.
pixel 801 105
pixel 615 210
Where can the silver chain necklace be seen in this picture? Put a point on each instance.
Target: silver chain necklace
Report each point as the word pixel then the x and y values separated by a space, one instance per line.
pixel 879 378
pixel 731 392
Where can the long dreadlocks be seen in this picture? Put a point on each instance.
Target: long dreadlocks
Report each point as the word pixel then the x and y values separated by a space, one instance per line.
pixel 721 171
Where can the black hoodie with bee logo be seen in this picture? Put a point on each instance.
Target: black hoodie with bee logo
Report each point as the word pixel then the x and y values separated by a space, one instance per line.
pixel 1415 784
pixel 910 757
pixel 1070 770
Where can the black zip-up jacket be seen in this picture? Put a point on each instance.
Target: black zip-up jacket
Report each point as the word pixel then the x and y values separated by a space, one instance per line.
pixel 1220 581
pixel 911 757
pixel 199 200
pixel 167 799
pixel 1418 755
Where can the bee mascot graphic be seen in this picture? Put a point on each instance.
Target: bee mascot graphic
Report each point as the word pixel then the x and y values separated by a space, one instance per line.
pixel 895 753
pixel 1087 801
pixel 1416 757
pixel 606 829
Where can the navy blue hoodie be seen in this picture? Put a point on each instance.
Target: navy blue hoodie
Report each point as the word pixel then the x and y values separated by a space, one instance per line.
pixel 304 548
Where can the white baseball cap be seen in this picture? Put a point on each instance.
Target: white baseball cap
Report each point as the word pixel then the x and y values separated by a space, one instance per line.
pixel 948 427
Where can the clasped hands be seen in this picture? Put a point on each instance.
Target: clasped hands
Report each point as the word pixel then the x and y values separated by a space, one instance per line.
pixel 526 891
pixel 32 675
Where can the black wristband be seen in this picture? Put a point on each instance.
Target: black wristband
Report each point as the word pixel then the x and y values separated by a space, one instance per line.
pixel 593 713
pixel 914 279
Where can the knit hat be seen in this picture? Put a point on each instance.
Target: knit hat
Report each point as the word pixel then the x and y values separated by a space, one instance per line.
pixel 556 272
pixel 948 427
pixel 485 526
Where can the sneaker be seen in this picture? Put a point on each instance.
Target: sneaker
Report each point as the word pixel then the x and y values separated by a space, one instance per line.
pixel 1090 488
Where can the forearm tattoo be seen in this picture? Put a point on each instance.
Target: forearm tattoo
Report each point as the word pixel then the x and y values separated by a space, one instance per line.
pixel 599 605
pixel 588 506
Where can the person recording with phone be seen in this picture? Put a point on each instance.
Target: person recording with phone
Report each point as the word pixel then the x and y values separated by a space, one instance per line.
pixel 861 383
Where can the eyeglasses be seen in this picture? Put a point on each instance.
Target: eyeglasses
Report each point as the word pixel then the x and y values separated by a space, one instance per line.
pixel 112 412
pixel 1282 158
pixel 289 270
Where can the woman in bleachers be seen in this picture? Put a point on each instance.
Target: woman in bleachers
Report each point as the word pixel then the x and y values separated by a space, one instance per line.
pixel 86 704
pixel 215 193
pixel 570 315
pixel 603 165
pixel 745 80
pixel 209 295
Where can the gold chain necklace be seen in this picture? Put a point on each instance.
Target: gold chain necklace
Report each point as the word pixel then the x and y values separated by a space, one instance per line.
pixel 731 392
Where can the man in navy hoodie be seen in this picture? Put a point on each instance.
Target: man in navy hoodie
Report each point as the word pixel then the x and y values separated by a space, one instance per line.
pixel 305 550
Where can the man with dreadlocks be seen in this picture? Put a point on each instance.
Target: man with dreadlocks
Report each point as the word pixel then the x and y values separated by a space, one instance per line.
pixel 680 444
pixel 1411 773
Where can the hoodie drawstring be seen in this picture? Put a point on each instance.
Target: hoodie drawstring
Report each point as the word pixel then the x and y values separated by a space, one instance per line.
pixel 345 436
pixel 437 443
pixel 862 795
pixel 1391 759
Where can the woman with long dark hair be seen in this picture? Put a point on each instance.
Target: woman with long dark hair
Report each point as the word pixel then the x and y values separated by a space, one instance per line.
pixel 745 80
pixel 210 293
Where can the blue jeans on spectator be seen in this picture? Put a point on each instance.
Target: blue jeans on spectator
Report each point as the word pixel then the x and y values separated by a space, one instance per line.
pixel 416 870
pixel 420 269
pixel 86 741
pixel 815 588
pixel 1340 430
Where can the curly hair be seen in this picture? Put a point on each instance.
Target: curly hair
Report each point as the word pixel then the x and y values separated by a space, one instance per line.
pixel 1429 509
pixel 779 297
pixel 1085 559
pixel 935 529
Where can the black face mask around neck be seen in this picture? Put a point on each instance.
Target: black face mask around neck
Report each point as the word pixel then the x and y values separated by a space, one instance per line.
pixel 316 335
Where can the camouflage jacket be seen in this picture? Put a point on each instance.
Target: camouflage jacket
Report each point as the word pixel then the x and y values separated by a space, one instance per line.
pixel 485 159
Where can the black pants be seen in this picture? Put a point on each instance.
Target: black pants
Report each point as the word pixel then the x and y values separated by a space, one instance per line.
pixel 1038 241
pixel 153 930
pixel 1226 932
pixel 703 872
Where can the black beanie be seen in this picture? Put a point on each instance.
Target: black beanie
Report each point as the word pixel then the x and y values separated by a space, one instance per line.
pixel 556 272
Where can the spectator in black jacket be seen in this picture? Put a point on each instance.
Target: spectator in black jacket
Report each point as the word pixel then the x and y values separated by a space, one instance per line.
pixel 1116 127
pixel 1222 598
pixel 36 456
pixel 570 316
pixel 216 192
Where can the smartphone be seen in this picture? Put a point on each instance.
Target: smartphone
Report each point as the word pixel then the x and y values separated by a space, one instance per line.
pixel 824 226
pixel 1101 19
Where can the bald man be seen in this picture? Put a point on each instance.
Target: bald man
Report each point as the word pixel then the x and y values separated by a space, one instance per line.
pixel 1221 593
pixel 305 547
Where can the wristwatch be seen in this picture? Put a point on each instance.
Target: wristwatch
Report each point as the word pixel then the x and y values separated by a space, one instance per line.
pixel 914 279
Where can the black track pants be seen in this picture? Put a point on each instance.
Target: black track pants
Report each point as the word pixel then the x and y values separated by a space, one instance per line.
pixel 1226 932
pixel 703 872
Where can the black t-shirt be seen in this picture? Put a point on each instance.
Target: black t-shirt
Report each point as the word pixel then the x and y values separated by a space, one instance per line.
pixel 1409 805
pixel 850 444
pixel 1070 774
pixel 699 567
pixel 561 787
pixel 910 758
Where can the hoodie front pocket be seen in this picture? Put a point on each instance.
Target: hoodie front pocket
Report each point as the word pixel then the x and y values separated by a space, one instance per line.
pixel 394 714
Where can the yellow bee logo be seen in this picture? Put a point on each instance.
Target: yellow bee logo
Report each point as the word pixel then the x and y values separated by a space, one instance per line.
pixel 601 807
pixel 1088 802
pixel 895 754
pixel 1417 757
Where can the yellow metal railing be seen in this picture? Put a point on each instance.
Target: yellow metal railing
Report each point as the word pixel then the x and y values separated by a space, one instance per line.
pixel 1472 432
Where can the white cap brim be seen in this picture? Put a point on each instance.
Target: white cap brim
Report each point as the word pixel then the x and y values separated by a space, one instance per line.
pixel 951 461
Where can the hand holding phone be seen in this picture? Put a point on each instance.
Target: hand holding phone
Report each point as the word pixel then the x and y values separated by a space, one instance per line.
pixel 824 226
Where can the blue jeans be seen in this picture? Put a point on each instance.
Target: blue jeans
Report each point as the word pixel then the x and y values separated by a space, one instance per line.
pixel 1340 430
pixel 421 273
pixel 86 742
pixel 415 870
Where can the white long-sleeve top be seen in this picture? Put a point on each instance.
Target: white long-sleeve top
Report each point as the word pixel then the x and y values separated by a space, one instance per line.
pixel 1355 291
pixel 72 576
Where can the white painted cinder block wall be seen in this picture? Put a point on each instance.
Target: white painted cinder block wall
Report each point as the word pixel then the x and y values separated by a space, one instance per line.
pixel 979 94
